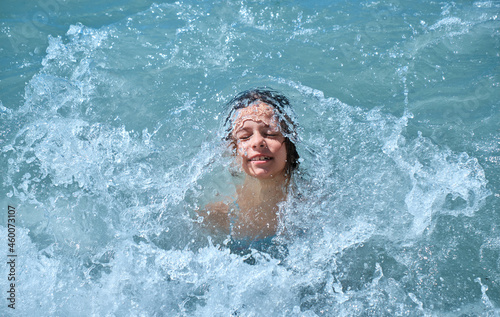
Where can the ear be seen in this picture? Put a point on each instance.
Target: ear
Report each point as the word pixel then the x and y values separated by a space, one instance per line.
pixel 234 147
pixel 235 166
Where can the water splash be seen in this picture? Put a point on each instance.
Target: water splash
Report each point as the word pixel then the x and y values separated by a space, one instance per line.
pixel 116 144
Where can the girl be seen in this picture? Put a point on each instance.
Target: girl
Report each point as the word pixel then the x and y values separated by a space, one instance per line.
pixel 262 137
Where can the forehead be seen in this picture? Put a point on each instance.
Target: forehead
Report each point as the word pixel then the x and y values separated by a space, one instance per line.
pixel 258 112
pixel 251 123
pixel 256 109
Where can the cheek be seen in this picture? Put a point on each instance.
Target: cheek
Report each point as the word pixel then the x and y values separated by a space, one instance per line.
pixel 284 154
pixel 241 149
pixel 281 153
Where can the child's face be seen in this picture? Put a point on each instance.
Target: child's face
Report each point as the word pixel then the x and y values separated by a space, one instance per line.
pixel 260 144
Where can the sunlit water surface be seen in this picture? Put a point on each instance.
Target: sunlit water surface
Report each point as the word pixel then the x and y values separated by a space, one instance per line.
pixel 110 138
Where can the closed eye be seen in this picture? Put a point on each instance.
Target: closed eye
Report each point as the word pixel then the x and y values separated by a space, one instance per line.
pixel 272 134
pixel 243 137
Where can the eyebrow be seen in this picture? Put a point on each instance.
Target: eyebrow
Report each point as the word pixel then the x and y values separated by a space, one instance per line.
pixel 241 130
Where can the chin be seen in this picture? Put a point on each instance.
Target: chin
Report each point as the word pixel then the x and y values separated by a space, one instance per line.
pixel 263 175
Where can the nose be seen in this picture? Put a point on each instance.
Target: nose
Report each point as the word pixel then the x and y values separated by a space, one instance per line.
pixel 258 141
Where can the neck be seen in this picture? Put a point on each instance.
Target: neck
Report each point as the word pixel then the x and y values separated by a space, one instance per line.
pixel 264 190
pixel 258 210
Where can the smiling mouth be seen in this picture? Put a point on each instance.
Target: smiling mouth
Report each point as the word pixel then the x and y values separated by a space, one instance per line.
pixel 261 158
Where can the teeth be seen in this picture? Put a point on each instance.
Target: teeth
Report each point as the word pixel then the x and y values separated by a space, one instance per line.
pixel 261 158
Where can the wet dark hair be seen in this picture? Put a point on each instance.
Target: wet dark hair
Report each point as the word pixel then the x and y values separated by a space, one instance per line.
pixel 281 105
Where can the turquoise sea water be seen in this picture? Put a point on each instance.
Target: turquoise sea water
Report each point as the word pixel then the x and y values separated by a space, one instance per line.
pixel 110 126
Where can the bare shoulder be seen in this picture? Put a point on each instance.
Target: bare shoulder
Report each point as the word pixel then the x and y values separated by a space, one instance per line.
pixel 216 217
pixel 216 207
